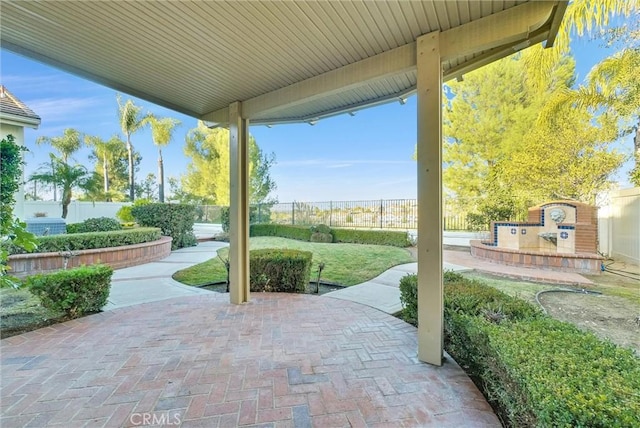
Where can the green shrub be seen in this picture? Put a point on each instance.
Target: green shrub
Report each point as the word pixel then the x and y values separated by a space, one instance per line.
pixel 475 298
pixel 90 241
pixel 98 224
pixel 409 293
pixel 75 228
pixel 538 371
pixel 300 233
pixel 321 233
pixel 543 372
pixel 257 214
pixel 279 270
pixel 124 213
pixel 376 237
pixel 409 298
pixel 175 220
pixel 224 214
pixel 76 291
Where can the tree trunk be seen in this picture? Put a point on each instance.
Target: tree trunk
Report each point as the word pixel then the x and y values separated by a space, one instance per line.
pixel 160 177
pixel 66 200
pixel 132 195
pixel 105 176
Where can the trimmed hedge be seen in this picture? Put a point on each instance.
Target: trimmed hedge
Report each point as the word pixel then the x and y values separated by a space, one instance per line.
pixel 393 238
pixel 90 241
pixel 98 224
pixel 76 291
pixel 279 270
pixel 318 234
pixel 536 370
pixel 175 220
pixel 300 233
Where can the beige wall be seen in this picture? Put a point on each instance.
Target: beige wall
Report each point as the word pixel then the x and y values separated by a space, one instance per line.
pixel 619 226
pixel 78 211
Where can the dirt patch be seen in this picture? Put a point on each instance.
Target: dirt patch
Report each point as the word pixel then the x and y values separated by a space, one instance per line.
pixel 609 317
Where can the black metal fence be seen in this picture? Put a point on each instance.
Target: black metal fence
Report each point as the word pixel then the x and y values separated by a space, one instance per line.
pixel 381 214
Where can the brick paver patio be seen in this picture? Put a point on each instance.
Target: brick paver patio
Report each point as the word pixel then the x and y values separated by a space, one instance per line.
pixel 281 360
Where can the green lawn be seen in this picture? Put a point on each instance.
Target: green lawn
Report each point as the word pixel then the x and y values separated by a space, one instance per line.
pixel 345 264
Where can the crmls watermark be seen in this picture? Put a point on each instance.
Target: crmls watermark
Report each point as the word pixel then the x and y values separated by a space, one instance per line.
pixel 163 419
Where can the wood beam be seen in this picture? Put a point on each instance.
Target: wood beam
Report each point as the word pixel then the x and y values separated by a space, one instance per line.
pixel 510 26
pixel 239 205
pixel 429 148
pixel 495 36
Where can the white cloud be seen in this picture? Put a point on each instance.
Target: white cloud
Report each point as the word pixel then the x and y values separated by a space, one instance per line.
pixel 63 109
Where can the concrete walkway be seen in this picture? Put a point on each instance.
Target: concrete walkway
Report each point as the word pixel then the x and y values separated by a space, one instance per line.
pixel 152 282
pixel 383 292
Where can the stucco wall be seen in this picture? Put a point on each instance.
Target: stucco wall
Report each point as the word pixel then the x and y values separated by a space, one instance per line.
pixel 78 211
pixel 619 226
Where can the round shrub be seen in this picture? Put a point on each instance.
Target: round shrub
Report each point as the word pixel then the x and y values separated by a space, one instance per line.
pixel 75 291
pixel 101 224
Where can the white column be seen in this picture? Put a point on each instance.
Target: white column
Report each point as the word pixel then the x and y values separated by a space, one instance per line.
pixel 430 300
pixel 239 205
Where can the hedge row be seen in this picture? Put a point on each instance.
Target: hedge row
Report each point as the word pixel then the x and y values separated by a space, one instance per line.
pixel 537 370
pixel 278 270
pixel 175 220
pixel 76 291
pixel 300 233
pixel 319 234
pixel 90 241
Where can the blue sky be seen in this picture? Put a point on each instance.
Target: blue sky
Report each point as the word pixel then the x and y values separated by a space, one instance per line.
pixel 367 156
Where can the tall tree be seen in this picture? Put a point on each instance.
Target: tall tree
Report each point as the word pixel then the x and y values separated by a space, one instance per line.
pixel 147 188
pixel 161 132
pixel 207 174
pixel 581 17
pixel 105 152
pixel 67 144
pixel 67 177
pixel 570 158
pixel 131 120
pixel 499 160
pixel 613 88
pixel 485 119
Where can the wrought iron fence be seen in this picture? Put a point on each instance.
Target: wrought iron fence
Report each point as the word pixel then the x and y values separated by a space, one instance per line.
pixel 377 214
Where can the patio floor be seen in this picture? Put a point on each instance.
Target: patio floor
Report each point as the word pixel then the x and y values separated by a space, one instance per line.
pixel 281 360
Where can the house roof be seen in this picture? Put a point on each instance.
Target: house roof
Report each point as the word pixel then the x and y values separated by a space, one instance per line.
pixel 14 111
pixel 287 61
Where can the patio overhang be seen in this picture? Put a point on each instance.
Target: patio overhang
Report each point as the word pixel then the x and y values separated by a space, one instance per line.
pixel 231 63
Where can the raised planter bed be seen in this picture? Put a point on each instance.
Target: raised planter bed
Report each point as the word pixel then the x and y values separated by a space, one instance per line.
pixel 559 262
pixel 117 257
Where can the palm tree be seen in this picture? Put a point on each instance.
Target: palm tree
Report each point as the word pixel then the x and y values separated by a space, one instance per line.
pixel 582 16
pixel 130 118
pixel 614 85
pixel 67 177
pixel 161 132
pixel 66 145
pixel 104 151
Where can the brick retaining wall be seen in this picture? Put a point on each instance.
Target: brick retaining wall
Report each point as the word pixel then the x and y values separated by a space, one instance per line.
pixel 578 263
pixel 116 257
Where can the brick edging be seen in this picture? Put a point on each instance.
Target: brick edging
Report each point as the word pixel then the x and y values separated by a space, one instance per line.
pixel 117 257
pixel 578 263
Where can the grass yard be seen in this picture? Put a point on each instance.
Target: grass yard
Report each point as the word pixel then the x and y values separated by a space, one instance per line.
pixel 345 264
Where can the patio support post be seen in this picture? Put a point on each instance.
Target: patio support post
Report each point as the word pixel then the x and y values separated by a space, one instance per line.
pixel 239 205
pixel 430 299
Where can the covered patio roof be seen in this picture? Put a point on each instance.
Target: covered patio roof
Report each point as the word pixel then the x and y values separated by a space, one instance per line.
pixel 231 63
pixel 286 60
